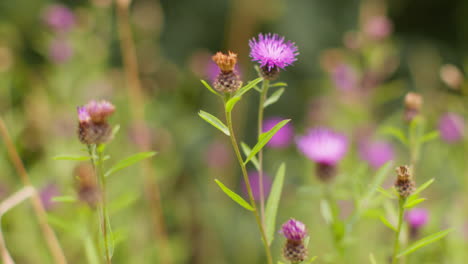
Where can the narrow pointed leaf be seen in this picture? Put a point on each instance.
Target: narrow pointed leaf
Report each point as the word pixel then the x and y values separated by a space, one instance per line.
pixel 234 196
pixel 232 102
pixel 209 87
pixel 247 87
pixel 326 211
pixel 395 132
pixel 64 199
pixel 214 121
pixel 387 223
pixel 423 187
pixel 264 138
pixel 430 136
pixel 278 84
pixel 246 149
pixel 311 260
pixel 424 242
pixel 90 250
pixel 386 193
pixel 129 161
pixel 379 178
pixel 273 202
pixel 372 259
pixel 413 203
pixel 72 157
pixel 273 98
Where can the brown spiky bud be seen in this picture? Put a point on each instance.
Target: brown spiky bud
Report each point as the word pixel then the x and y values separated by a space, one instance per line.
pixel 413 104
pixel 225 62
pixel 94 133
pixel 404 184
pixel 451 76
pixel 295 251
pixel 86 185
pixel 227 80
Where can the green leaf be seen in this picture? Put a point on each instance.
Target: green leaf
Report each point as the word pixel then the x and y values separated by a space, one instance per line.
pixel 372 259
pixel 278 84
pixel 430 136
pixel 379 178
pixel 273 98
pixel 246 149
pixel 115 130
pixel 64 199
pixel 387 223
pixel 234 196
pixel 311 260
pixel 122 164
pixel 326 211
pixel 247 87
pixel 264 138
pixel 423 187
pixel 414 202
pixel 72 157
pixel 209 87
pixel 425 241
pixel 91 251
pixel 386 193
pixel 395 132
pixel 214 121
pixel 232 102
pixel 273 202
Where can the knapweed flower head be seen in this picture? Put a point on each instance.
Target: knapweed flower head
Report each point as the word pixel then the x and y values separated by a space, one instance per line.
pixel 404 184
pixel 93 127
pixel 273 53
pixel 294 250
pixel 451 76
pixel 59 17
pixel 452 127
pixel 283 137
pixel 413 105
pixel 254 180
pixel 227 80
pixel 417 217
pixel 294 230
pixel 376 152
pixel 323 145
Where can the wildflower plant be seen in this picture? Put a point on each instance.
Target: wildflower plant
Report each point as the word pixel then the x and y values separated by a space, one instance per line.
pixel 273 54
pixel 96 132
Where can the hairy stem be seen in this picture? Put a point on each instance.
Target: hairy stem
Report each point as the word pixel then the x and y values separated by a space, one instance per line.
pixel 263 96
pixel 47 231
pixel 249 188
pixel 396 246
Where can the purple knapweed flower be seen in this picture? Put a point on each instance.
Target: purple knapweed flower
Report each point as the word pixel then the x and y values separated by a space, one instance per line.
pixel 452 127
pixel 417 217
pixel 344 77
pixel 323 145
pixel 99 111
pixel 60 50
pixel 254 180
pixel 83 115
pixel 273 53
pixel 46 194
pixel 283 137
pixel 376 153
pixel 92 126
pixel 378 27
pixel 294 230
pixel 59 18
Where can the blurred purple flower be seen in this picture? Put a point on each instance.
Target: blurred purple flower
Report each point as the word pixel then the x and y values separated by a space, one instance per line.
pixel 323 145
pixel 254 180
pixel 376 153
pixel 218 155
pixel 47 193
pixel 283 137
pixel 378 27
pixel 60 51
pixel 344 77
pixel 294 230
pixel 452 127
pixel 271 51
pixel 59 18
pixel 417 217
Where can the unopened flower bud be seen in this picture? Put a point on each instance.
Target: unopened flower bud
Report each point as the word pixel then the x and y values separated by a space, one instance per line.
pixel 413 104
pixel 227 80
pixel 404 184
pixel 86 184
pixel 451 76
pixel 93 127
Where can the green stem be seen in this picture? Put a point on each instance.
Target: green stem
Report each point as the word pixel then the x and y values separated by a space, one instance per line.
pixel 396 247
pixel 247 184
pixel 98 167
pixel 263 95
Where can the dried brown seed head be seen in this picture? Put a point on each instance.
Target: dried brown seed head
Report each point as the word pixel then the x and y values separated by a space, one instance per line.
pixel 225 62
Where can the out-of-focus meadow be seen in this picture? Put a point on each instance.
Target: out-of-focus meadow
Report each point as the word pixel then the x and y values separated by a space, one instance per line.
pixel 357 62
